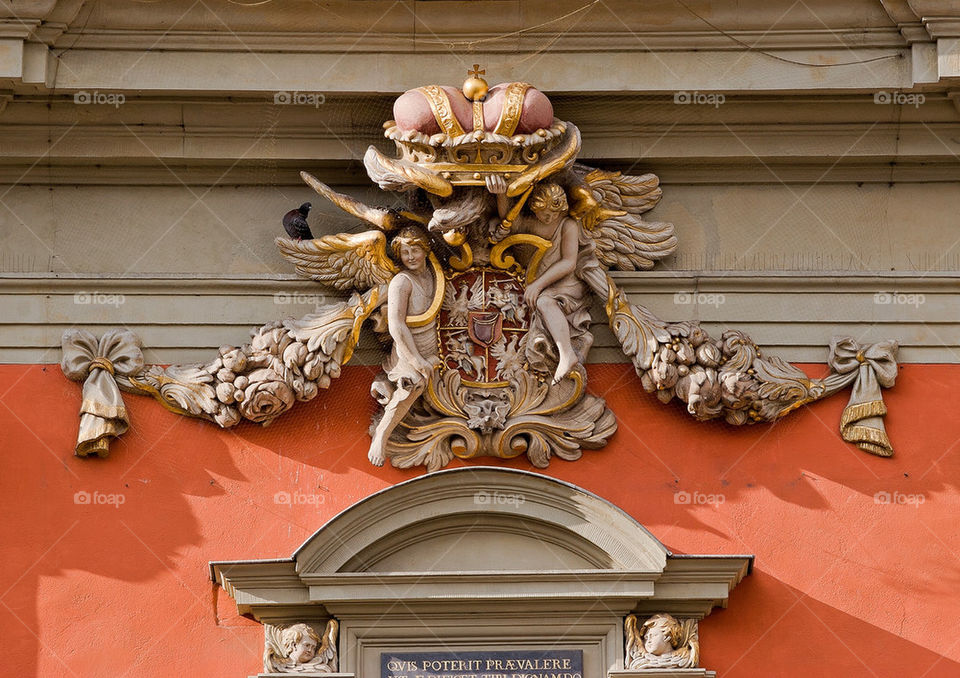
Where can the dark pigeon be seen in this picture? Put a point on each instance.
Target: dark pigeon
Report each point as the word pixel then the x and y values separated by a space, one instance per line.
pixel 295 223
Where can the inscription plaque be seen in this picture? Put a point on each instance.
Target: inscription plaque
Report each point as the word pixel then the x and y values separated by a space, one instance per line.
pixel 483 664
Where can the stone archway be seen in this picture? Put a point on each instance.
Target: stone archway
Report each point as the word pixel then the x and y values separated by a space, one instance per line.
pixel 480 558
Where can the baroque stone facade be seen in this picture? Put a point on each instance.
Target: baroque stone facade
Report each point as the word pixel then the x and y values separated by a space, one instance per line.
pixel 802 155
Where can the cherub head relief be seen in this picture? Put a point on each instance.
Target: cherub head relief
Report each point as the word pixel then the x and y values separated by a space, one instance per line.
pixel 661 642
pixel 300 642
pixel 300 649
pixel 661 634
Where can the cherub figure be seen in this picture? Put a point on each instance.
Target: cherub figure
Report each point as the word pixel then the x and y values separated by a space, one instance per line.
pixel 604 216
pixel 661 642
pixel 414 354
pixel 559 297
pixel 299 649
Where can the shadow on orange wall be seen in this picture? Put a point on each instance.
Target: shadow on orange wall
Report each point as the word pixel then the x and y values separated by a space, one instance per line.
pixel 113 581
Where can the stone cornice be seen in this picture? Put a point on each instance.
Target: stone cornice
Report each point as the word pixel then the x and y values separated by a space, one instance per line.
pixel 791 313
pixel 256 284
pixel 613 38
pixel 178 46
pixel 348 172
pixel 597 71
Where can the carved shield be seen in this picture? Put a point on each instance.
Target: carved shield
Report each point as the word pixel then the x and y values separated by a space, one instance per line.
pixel 485 327
pixel 481 325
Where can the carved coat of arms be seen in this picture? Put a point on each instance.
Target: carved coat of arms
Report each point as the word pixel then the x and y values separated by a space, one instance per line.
pixel 482 279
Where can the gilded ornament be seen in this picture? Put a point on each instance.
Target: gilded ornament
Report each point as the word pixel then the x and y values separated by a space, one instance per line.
pixel 485 290
pixel 474 87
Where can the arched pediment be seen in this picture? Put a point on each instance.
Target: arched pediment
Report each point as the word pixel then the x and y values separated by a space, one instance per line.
pixel 479 539
pixel 481 519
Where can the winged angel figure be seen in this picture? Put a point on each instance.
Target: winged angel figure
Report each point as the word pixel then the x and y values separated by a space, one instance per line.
pixel 360 262
pixel 548 231
pixel 558 339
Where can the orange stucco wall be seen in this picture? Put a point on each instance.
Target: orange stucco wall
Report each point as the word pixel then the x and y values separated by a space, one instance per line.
pixel 842 585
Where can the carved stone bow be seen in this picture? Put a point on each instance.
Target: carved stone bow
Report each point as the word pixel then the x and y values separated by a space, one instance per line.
pixel 869 367
pixel 95 363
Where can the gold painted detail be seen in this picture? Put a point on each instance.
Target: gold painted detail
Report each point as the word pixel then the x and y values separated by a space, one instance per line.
pixel 867 438
pixel 342 260
pixel 393 170
pixel 465 159
pixel 443 405
pixel 584 206
pixel 361 313
pixel 149 389
pixel 474 87
pixel 462 261
pixel 440 105
pixel 435 436
pixel 512 108
pixel 475 167
pixel 576 376
pixel 478 116
pixel 427 316
pixel 102 364
pixel 507 262
pixel 507 222
pixel 558 159
pixel 454 237
pixel 381 218
pixel 485 384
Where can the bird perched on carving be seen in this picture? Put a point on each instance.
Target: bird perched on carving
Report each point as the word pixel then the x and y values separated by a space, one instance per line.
pixel 295 223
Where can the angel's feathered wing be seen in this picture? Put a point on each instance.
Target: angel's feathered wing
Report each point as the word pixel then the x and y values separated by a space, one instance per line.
pixel 273 654
pixel 623 240
pixel 632 637
pixel 689 644
pixel 345 261
pixel 327 654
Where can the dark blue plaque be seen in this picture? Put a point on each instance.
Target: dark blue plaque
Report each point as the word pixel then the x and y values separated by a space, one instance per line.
pixel 483 664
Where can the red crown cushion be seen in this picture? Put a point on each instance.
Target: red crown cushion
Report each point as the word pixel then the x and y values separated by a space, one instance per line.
pixel 412 110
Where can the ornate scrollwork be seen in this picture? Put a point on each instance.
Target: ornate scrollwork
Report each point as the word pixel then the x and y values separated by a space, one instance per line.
pixel 526 417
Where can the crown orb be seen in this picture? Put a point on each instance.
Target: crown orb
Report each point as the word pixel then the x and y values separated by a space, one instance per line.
pixel 475 88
